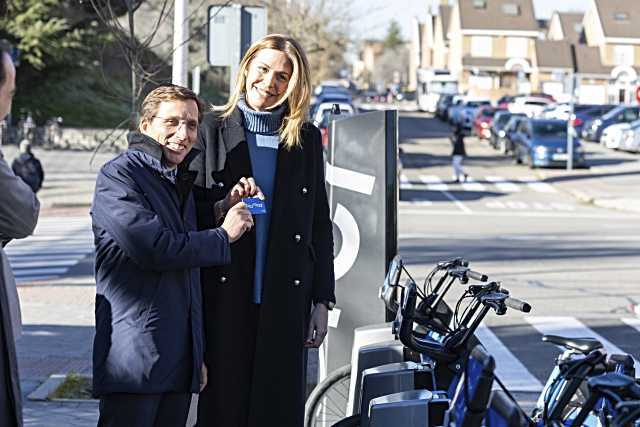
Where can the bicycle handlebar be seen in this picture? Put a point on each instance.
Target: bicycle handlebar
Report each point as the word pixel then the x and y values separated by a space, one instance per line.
pixel 517 304
pixel 477 276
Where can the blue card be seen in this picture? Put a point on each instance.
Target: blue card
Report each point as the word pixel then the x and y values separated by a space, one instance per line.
pixel 255 205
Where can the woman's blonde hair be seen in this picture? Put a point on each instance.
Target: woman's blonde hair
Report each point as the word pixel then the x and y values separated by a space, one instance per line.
pixel 297 95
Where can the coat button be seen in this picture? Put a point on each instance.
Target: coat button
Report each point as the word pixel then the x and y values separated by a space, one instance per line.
pixel 223 279
pixel 296 282
pixel 304 190
pixel 297 238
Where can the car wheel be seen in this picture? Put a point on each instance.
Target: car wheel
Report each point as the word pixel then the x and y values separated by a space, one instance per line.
pixel 503 147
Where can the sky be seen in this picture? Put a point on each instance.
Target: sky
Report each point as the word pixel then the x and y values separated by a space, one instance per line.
pixel 380 12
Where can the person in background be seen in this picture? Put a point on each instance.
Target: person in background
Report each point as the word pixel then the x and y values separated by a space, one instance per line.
pixel 271 303
pixel 19 210
pixel 458 154
pixel 28 167
pixel 148 347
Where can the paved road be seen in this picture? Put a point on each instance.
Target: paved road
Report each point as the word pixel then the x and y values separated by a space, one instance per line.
pixel 576 263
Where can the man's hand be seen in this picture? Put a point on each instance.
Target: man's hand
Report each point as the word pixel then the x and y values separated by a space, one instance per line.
pixel 317 326
pixel 246 187
pixel 237 221
pixel 203 376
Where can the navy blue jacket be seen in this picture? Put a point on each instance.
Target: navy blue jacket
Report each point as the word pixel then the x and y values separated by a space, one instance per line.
pixel 149 332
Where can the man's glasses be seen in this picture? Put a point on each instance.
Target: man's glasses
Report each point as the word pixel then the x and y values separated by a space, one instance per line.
pixel 174 123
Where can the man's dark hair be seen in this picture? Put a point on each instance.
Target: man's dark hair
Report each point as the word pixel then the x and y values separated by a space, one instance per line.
pixel 3 8
pixel 152 102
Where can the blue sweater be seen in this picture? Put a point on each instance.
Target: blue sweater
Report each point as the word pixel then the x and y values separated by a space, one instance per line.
pixel 261 131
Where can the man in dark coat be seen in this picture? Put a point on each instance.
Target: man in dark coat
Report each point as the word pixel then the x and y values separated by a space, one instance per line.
pixel 19 209
pixel 28 167
pixel 148 348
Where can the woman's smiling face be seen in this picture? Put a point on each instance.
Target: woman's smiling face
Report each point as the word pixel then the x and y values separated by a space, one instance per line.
pixel 267 79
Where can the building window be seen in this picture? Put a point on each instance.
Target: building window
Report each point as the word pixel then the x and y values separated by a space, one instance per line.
pixel 481 82
pixel 621 16
pixel 623 55
pixel 480 4
pixel 517 47
pixel 481 46
pixel 511 9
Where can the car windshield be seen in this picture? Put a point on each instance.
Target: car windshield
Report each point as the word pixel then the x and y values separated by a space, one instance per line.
pixel 549 129
pixel 474 104
pixel 488 112
pixel 611 114
pixel 502 118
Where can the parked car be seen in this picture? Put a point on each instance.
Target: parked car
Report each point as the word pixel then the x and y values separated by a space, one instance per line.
pixel 631 138
pixel 531 106
pixel 503 101
pixel 505 136
pixel 323 124
pixel 612 136
pixel 482 122
pixel 593 129
pixel 543 143
pixel 499 129
pixel 325 108
pixel 443 105
pixel 592 112
pixel 456 103
pixel 467 113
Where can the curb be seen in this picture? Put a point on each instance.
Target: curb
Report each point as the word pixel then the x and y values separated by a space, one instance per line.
pixel 51 384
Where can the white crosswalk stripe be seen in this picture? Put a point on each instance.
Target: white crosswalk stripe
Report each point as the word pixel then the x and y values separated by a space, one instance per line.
pixel 509 369
pixel 574 328
pixel 57 245
pixel 518 377
pixel 434 183
pixel 478 184
pixel 405 183
pixel 503 184
pixel 537 185
pixel 472 185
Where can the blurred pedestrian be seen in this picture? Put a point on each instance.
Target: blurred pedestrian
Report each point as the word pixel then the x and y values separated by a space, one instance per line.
pixel 272 302
pixel 19 209
pixel 28 167
pixel 458 154
pixel 148 347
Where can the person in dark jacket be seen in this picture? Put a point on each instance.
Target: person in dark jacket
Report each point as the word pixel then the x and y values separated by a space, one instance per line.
pixel 28 167
pixel 458 154
pixel 19 210
pixel 271 303
pixel 148 347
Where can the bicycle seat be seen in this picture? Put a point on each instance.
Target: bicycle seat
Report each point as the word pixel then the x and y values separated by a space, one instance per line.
pixel 611 381
pixel 583 345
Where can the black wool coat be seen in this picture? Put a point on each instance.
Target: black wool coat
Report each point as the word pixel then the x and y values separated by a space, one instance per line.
pixel 270 384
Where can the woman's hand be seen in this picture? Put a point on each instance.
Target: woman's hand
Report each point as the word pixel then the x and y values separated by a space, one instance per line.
pixel 246 187
pixel 317 325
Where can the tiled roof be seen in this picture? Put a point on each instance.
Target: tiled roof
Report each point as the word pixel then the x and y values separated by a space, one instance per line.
pixel 494 15
pixel 589 62
pixel 620 18
pixel 483 62
pixel 554 54
pixel 571 26
pixel 445 17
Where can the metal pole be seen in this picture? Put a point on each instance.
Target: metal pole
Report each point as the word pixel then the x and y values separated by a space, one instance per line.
pixel 179 74
pixel 195 80
pixel 570 123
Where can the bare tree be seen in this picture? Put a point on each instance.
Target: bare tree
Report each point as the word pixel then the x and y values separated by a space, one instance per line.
pixel 118 16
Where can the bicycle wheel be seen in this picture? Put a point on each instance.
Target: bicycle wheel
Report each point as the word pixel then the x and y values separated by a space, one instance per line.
pixel 327 403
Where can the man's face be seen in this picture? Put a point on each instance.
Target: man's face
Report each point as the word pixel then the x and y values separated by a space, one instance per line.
pixel 8 88
pixel 267 78
pixel 175 127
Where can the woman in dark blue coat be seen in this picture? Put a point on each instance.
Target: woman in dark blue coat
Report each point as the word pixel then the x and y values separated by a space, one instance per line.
pixel 272 301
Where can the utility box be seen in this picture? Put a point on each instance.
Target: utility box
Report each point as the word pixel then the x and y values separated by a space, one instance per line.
pixel 230 32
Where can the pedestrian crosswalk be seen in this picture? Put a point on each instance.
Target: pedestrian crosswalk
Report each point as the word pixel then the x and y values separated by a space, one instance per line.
pixel 485 184
pixel 57 245
pixel 523 361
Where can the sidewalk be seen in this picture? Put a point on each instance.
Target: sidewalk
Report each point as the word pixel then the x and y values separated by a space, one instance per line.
pixel 612 180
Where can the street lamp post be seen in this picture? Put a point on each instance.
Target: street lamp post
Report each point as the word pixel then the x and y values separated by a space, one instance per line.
pixel 180 43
